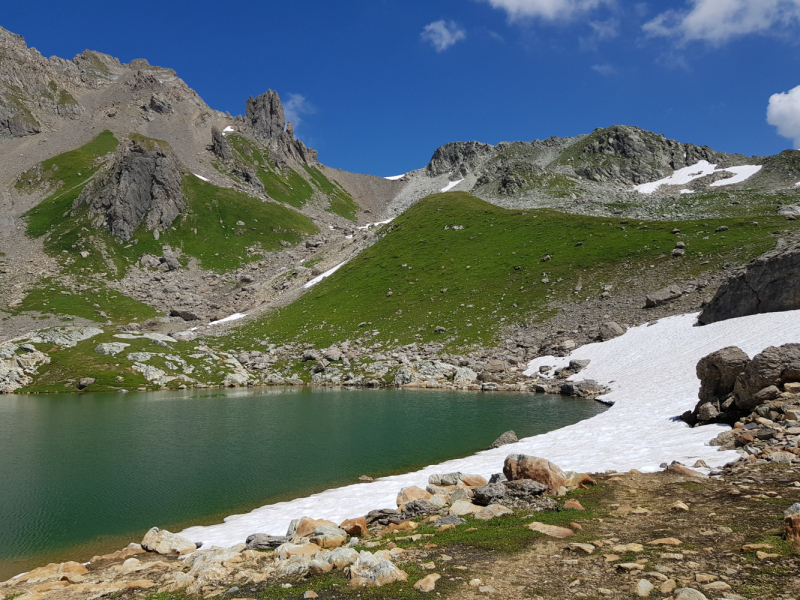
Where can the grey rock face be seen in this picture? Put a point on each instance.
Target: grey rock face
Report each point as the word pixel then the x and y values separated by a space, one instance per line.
pixel 160 105
pixel 718 372
pixel 265 115
pixel 488 494
pixel 142 184
pixel 771 283
pixel 772 367
pixel 641 156
pixel 219 145
pixel 524 488
pixel 453 157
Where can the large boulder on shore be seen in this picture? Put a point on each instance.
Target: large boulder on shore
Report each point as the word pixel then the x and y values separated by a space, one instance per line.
pixel 522 466
pixel 165 542
pixel 770 283
pixel 774 366
pixel 718 372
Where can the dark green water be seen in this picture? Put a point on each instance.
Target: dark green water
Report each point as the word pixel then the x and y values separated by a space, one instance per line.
pixel 86 474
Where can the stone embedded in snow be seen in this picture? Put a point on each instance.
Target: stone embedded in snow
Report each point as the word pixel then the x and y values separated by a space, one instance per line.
pixel 165 542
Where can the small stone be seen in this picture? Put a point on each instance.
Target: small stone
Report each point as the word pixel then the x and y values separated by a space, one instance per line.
pixel 611 557
pixel 573 505
pixel 705 578
pixel 428 583
pixel 486 589
pixel 766 555
pixel 551 530
pixel 643 588
pixel 718 586
pixel 667 587
pixel 492 511
pixel 428 565
pixel 631 566
pixel 679 506
pixel 689 594
pixel 310 594
pixel 666 542
pixel 624 548
pixel 587 548
pixel 475 582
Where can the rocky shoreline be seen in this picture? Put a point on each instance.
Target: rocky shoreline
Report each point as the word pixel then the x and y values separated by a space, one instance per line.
pixel 383 547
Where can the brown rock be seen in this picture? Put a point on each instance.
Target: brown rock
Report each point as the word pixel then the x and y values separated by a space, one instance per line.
pixel 53 571
pixel 681 470
pixel 408 494
pixel 306 526
pixel 551 530
pixel 792 525
pixel 666 542
pixel 521 466
pixel 355 527
pixel 473 480
pixel 573 505
pixel 428 583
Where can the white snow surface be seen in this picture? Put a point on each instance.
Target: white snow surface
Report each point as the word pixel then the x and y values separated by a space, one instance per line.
pixel 327 273
pixel 451 185
pixel 651 370
pixel 740 174
pixel 687 191
pixel 395 177
pixel 377 224
pixel 701 169
pixel 797 184
pixel 233 317
pixel 201 177
pixel 228 129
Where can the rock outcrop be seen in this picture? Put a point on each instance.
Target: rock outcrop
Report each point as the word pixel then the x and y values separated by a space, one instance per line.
pixel 266 121
pixel 770 283
pixel 141 185
pixel 219 145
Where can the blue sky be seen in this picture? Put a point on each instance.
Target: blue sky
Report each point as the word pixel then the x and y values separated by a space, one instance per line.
pixel 378 85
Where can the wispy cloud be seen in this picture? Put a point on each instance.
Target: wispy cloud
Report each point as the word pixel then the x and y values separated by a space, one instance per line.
pixel 719 21
pixel 547 10
pixel 783 112
pixel 442 34
pixel 604 69
pixel 671 60
pixel 295 106
pixel 604 30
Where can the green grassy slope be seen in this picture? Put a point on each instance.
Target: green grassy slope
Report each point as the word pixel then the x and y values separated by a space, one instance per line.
pixel 474 280
pixel 207 230
pixel 68 174
pixel 287 185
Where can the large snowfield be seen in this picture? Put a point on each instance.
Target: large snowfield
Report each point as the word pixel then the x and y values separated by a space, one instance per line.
pixel 696 171
pixel 651 371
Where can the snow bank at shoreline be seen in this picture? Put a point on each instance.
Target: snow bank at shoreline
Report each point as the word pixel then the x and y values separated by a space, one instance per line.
pixel 651 370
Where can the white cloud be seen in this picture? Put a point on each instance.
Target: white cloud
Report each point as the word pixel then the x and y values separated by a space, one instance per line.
pixel 718 21
pixel 605 69
pixel 548 10
pixel 604 30
pixel 442 34
pixel 295 106
pixel 784 113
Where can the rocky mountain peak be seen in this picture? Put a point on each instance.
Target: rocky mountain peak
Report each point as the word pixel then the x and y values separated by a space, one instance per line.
pixel 458 158
pixel 141 184
pixel 265 115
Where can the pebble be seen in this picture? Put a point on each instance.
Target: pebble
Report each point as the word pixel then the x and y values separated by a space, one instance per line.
pixel 486 589
pixel 643 588
pixel 668 586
